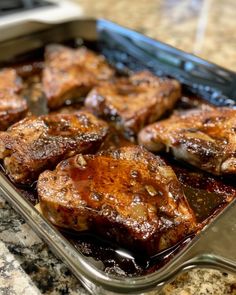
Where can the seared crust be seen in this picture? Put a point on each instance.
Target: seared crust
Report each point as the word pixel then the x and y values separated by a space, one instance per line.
pixel 12 106
pixel 135 101
pixel 37 143
pixel 71 73
pixel 128 195
pixel 205 138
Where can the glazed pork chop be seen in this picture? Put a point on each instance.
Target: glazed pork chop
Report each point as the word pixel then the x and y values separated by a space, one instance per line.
pixel 128 195
pixel 37 143
pixel 71 73
pixel 204 137
pixel 135 101
pixel 12 106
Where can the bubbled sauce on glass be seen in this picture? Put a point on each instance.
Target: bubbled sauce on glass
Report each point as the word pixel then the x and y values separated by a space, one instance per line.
pixel 206 194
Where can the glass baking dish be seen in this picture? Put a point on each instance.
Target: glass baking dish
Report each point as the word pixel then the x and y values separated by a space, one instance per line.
pixel 214 245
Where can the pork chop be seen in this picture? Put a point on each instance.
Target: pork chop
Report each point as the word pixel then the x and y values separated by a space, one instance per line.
pixel 71 73
pixel 205 138
pixel 135 101
pixel 37 143
pixel 13 106
pixel 128 195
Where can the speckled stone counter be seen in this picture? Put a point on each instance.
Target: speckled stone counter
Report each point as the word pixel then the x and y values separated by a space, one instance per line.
pixel 204 27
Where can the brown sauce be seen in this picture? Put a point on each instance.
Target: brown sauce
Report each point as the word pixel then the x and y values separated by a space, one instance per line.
pixel 206 194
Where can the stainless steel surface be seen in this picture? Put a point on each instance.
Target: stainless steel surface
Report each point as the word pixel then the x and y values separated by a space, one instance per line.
pixel 213 247
pixel 22 23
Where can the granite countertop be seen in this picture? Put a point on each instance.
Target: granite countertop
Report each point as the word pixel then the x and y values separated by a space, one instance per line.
pixel 204 27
